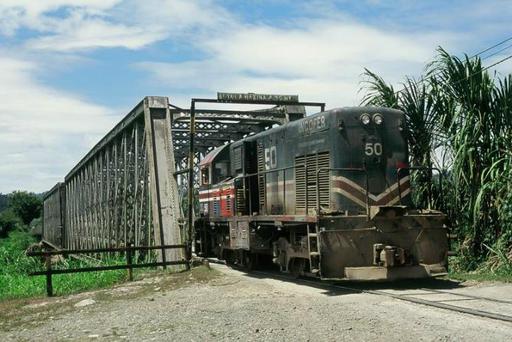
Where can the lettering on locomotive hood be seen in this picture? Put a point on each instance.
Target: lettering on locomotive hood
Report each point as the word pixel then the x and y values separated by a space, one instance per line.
pixel 313 125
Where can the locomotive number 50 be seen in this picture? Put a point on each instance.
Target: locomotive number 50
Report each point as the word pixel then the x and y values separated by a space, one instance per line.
pixel 371 149
pixel 270 158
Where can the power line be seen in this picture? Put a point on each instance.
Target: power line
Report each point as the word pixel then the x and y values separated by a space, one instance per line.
pixel 494 64
pixel 492 47
pixel 484 69
pixel 422 79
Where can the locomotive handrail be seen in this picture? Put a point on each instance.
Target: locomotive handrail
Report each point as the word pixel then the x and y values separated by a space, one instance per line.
pixel 419 168
pixel 267 171
pixel 264 173
pixel 350 169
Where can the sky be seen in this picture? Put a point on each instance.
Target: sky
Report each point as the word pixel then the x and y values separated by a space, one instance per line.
pixel 71 69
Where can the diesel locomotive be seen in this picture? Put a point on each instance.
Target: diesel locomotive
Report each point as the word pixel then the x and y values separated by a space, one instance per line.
pixel 328 195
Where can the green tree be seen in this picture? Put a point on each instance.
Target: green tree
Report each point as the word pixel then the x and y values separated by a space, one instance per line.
pixel 26 205
pixel 8 221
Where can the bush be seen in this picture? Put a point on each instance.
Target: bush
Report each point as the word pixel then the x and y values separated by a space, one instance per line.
pixel 9 221
pixel 26 205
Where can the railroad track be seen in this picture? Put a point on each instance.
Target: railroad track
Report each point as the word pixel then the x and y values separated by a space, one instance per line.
pixel 410 297
pixel 407 297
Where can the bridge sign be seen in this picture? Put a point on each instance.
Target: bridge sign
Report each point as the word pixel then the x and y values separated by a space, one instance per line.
pixel 256 98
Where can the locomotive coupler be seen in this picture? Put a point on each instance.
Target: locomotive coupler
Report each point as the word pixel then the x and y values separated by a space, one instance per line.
pixel 388 256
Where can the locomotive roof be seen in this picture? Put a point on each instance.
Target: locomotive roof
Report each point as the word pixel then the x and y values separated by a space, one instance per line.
pixel 211 156
pixel 346 112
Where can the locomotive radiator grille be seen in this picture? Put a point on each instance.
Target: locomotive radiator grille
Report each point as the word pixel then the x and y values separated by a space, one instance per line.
pixel 300 184
pixel 323 162
pixel 261 178
pixel 306 170
pixel 240 202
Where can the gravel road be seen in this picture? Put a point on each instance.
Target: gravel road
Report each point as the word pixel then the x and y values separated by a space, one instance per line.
pixel 225 304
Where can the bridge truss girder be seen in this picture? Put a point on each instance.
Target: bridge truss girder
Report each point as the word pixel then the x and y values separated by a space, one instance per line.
pixel 123 191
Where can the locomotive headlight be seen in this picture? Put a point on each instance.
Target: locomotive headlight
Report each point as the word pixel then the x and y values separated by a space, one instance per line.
pixel 365 119
pixel 378 119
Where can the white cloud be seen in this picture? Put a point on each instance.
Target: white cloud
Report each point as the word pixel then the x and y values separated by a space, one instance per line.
pixel 86 25
pixel 43 132
pixel 37 15
pixel 86 34
pixel 320 59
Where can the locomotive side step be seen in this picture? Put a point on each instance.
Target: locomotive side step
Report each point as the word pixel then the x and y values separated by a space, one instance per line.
pixel 313 235
pixel 314 253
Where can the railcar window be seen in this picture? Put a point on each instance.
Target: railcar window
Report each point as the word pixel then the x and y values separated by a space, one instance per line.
pixel 221 171
pixel 205 176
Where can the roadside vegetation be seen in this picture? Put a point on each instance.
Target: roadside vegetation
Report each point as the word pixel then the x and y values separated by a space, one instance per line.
pixel 459 120
pixel 18 221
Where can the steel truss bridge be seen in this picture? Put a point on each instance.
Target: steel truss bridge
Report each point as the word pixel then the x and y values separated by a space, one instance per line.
pixel 134 185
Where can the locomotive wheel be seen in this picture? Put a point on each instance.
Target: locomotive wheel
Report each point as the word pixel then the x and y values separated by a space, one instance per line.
pixel 250 260
pixel 229 257
pixel 297 267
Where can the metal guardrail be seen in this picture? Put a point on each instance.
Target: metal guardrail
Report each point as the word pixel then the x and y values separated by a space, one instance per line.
pixel 129 261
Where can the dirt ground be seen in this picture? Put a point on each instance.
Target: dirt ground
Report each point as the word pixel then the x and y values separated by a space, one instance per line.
pixel 225 304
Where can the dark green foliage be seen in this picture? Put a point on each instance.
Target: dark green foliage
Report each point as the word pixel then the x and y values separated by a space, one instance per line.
pixel 459 119
pixel 26 205
pixel 3 202
pixel 8 221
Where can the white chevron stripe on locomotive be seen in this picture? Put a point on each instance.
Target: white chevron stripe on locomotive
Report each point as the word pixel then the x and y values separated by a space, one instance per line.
pixel 357 194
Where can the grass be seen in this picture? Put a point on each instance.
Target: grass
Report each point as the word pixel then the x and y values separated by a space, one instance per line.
pixel 15 266
pixel 17 314
pixel 489 270
pixel 22 286
pixel 482 275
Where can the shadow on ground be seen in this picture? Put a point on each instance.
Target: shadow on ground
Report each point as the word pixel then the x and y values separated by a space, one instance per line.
pixel 342 287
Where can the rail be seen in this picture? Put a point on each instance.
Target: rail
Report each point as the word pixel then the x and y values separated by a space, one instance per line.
pixel 129 261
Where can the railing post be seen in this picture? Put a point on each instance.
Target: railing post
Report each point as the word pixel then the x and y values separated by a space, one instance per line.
pixel 190 190
pixel 129 261
pixel 188 253
pixel 49 285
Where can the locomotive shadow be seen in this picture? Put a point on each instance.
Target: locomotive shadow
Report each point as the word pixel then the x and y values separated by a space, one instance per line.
pixel 400 285
pixel 344 287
